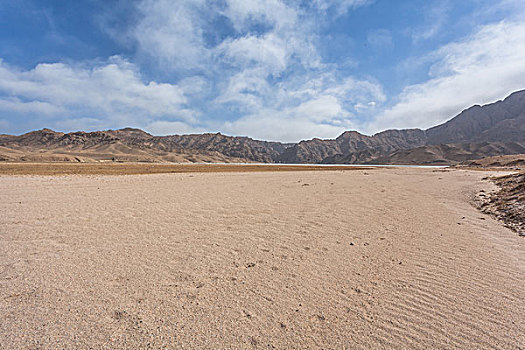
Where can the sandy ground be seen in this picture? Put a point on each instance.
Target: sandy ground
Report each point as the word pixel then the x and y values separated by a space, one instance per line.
pixel 129 168
pixel 365 259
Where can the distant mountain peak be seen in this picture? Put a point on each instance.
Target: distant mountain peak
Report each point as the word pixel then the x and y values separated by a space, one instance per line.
pixel 476 123
pixel 129 133
pixel 128 129
pixel 492 129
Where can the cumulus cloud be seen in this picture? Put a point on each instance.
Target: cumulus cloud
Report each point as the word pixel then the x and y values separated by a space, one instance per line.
pixel 247 89
pixel 255 63
pixel 483 68
pixel 172 32
pixel 274 126
pixel 320 106
pixel 264 68
pixel 209 36
pixel 268 51
pixel 256 59
pixel 112 91
pixel 185 35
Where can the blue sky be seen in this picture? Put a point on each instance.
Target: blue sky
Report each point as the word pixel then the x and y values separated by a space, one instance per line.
pixel 281 70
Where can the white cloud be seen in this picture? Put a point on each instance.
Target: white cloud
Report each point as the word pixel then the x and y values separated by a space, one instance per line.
pixel 247 88
pixel 273 12
pixel 194 86
pixel 322 109
pixel 14 104
pixel 317 106
pixel 480 69
pixel 281 126
pixel 172 32
pixel 268 40
pixel 83 123
pixel 268 51
pixel 113 91
pixel 436 15
pixel 254 58
pixel 355 90
pixel 176 32
pixel 162 127
pixel 341 6
pixel 360 107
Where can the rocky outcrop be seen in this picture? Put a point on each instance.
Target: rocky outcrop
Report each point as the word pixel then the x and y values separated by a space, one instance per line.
pixel 507 204
pixel 511 162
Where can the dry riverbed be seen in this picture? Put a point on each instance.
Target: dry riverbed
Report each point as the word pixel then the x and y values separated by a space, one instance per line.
pixel 366 259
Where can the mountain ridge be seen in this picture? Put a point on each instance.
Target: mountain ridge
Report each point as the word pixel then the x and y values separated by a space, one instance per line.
pixel 493 129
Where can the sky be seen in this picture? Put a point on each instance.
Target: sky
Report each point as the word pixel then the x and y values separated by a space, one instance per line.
pixel 280 70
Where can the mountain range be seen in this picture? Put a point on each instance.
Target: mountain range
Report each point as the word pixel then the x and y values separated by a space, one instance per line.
pixel 479 131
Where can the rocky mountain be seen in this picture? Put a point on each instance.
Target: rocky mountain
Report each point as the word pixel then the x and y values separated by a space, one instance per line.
pixel 463 137
pixel 353 147
pixel 236 147
pixel 502 121
pixel 135 145
pixel 494 129
pixel 444 154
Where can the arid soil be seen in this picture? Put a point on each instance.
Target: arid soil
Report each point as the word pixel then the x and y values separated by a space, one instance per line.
pixel 508 202
pixel 111 168
pixel 366 259
pixel 514 161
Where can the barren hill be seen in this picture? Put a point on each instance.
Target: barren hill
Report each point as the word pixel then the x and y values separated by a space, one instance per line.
pixel 480 131
pixel 112 145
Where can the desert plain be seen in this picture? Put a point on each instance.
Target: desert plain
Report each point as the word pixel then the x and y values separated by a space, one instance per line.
pixel 379 258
